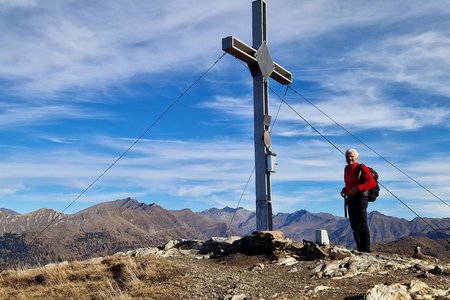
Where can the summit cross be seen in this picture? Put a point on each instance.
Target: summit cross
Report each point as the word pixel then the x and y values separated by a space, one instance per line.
pixel 261 67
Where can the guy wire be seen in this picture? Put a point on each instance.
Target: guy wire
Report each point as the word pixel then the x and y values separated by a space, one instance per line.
pixel 331 143
pixel 370 148
pixel 161 115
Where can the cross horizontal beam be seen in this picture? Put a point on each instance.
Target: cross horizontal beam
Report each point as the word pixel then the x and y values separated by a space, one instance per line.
pixel 244 52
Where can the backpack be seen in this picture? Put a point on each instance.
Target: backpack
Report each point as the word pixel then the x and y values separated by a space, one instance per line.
pixel 372 194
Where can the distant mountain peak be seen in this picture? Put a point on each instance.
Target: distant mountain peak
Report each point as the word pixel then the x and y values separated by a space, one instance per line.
pixel 376 213
pixel 43 211
pixel 133 204
pixel 230 209
pixel 127 203
pixel 226 209
pixel 9 211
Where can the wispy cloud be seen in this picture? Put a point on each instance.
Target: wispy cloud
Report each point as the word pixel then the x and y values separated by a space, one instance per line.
pixel 378 69
pixel 349 111
pixel 420 61
pixel 20 114
pixel 56 46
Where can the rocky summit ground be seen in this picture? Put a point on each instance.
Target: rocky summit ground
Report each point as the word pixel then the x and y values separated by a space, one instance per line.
pixel 253 267
pixel 257 267
pixel 255 277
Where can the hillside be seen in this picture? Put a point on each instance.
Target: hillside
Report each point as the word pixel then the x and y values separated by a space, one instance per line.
pixel 100 230
pixel 438 248
pixel 121 225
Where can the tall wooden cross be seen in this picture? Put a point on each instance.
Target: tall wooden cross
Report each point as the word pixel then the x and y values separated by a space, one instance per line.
pixel 261 67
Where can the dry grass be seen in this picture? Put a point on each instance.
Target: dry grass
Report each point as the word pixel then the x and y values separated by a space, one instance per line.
pixel 118 277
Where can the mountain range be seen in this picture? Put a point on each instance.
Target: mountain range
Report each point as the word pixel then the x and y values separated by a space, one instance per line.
pixel 46 235
pixel 301 225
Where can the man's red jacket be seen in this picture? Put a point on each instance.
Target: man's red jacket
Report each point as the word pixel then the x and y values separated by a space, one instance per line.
pixel 351 178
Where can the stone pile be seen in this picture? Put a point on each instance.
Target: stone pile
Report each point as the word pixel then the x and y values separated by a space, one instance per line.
pixel 215 247
pixel 334 262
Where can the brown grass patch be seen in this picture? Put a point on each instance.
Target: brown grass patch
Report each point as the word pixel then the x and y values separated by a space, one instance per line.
pixel 117 277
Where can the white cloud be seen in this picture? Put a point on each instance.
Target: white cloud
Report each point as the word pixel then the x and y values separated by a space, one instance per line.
pixel 11 190
pixel 421 61
pixel 353 112
pixel 347 58
pixel 211 173
pixel 241 107
pixel 16 4
pixel 157 166
pixel 63 45
pixel 293 20
pixel 19 115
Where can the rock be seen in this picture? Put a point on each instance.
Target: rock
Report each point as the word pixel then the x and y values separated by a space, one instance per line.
pixel 446 270
pixel 235 297
pixel 312 251
pixel 171 244
pixel 225 240
pixel 218 246
pixel 339 253
pixel 95 260
pixel 420 290
pixel 437 271
pixel 295 246
pixel 142 251
pixel 417 286
pixel 421 267
pixel 288 261
pixel 265 234
pixel 171 252
pixel 415 290
pixel 191 252
pixel 257 267
pixel 391 292
pixel 351 266
pixel 54 265
pixel 282 244
pixel 202 257
pixel 189 245
pixel 321 288
pixel 258 244
pixel 278 255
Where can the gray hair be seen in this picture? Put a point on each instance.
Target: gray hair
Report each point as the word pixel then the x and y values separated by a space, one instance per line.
pixel 352 151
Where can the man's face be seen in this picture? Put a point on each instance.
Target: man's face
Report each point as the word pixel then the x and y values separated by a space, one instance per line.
pixel 351 158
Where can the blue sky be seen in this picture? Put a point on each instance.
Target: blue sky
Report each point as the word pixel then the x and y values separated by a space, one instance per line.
pixel 80 81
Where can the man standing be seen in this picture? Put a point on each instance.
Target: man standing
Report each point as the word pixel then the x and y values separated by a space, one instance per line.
pixel 358 180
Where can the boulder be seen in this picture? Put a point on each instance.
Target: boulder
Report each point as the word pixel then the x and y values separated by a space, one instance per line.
pixel 415 290
pixel 268 234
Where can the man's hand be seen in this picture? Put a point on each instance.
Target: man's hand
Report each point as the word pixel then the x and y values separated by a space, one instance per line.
pixel 354 190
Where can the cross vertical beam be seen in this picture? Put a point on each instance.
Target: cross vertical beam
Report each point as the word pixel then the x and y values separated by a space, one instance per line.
pixel 258 68
pixel 261 109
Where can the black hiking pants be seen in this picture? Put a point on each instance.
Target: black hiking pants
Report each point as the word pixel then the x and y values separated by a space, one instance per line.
pixel 357 213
